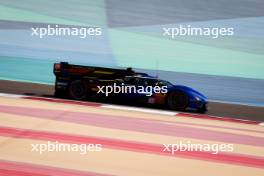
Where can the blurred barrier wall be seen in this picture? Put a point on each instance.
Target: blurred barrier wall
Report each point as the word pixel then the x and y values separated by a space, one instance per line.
pixel 132 36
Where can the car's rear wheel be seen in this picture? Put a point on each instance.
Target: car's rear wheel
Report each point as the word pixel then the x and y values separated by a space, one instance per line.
pixel 77 90
pixel 177 100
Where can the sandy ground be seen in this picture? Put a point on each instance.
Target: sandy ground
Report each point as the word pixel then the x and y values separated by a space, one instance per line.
pixel 132 143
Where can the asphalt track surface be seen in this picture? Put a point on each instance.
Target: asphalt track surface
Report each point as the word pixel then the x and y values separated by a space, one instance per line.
pixel 214 108
pixel 132 143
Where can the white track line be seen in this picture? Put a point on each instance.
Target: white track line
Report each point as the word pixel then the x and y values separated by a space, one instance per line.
pixel 140 110
pixel 11 95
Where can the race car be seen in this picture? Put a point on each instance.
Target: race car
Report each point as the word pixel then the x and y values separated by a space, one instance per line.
pixel 81 82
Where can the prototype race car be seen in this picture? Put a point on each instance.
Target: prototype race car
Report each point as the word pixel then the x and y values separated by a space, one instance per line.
pixel 81 82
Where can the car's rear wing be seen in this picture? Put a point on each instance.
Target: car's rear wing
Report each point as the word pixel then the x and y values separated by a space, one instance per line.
pixel 66 69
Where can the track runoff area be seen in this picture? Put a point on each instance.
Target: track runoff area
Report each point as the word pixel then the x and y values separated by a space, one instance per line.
pixel 47 136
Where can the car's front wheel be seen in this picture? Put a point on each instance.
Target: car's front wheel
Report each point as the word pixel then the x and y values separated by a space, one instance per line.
pixel 203 109
pixel 177 100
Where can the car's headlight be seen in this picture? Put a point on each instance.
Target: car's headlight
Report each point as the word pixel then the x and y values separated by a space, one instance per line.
pixel 197 99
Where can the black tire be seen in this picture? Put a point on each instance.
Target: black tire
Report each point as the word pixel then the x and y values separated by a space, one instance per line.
pixel 59 94
pixel 77 90
pixel 177 100
pixel 203 109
